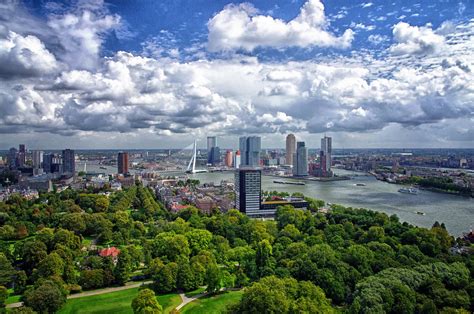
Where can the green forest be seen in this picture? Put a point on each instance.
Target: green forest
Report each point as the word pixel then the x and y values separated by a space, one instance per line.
pixel 344 261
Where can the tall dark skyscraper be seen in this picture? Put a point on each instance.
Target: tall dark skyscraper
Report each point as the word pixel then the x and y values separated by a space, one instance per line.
pixel 122 163
pixel 326 156
pixel 300 160
pixel 48 163
pixel 12 158
pixel 213 151
pixel 250 147
pixel 21 155
pixel 248 190
pixel 69 162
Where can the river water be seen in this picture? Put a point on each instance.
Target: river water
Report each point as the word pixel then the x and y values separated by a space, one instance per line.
pixel 456 212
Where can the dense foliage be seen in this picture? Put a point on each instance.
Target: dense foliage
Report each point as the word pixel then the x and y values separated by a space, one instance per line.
pixel 302 262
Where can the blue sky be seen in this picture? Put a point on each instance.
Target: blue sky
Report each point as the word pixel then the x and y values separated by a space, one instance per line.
pixel 158 74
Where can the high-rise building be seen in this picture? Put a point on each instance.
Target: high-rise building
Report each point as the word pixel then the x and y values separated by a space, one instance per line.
pixel 300 160
pixel 228 158
pixel 48 163
pixel 248 190
pixel 237 159
pixel 12 158
pixel 69 161
pixel 21 155
pixel 122 163
pixel 326 156
pixel 250 147
pixel 214 156
pixel 211 143
pixel 37 158
pixel 290 148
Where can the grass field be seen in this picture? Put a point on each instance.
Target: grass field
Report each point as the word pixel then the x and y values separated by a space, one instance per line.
pixel 212 304
pixel 115 302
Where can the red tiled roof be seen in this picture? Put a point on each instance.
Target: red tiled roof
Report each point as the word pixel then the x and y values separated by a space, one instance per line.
pixel 111 251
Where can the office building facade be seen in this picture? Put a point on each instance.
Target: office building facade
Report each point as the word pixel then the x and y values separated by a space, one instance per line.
pixel 326 156
pixel 69 161
pixel 122 163
pixel 250 147
pixel 290 148
pixel 12 158
pixel 248 190
pixel 300 160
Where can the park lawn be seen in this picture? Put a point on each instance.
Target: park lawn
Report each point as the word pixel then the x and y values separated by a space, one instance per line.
pixel 212 304
pixel 13 299
pixel 115 302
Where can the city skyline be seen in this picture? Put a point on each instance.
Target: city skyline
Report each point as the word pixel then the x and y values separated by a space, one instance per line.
pixel 100 74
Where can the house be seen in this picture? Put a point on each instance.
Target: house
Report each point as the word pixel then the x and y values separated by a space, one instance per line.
pixel 110 251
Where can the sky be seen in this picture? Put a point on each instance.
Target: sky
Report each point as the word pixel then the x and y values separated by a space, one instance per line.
pixel 159 74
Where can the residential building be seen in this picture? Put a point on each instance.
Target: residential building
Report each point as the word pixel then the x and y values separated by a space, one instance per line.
pixel 228 158
pixel 237 159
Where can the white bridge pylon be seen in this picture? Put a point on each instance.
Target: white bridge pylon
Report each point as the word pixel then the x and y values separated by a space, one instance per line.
pixel 192 163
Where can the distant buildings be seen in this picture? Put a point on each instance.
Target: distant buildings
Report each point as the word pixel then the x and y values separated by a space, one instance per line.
pixel 213 151
pixel 326 157
pixel 122 163
pixel 37 160
pixel 290 148
pixel 48 163
pixel 12 158
pixel 248 190
pixel 69 161
pixel 250 147
pixel 237 160
pixel 228 158
pixel 300 160
pixel 21 155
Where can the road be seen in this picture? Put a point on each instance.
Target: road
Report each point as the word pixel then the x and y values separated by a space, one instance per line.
pixel 94 292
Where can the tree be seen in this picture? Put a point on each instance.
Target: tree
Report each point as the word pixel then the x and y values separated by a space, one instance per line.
pixel 146 303
pixel 165 279
pixel 51 265
pixel 3 296
pixel 263 256
pixel 186 278
pixel 6 270
pixel 48 297
pixel 73 222
pixel 123 268
pixel 198 240
pixel 213 279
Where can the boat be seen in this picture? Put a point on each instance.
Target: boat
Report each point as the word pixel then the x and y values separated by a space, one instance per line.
pixel 410 190
pixel 421 213
pixel 289 182
pixel 101 167
pixel 359 184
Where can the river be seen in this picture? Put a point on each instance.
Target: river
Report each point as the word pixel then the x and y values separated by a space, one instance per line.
pixel 457 212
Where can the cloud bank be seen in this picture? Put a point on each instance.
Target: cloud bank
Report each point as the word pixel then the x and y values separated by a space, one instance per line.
pixel 59 84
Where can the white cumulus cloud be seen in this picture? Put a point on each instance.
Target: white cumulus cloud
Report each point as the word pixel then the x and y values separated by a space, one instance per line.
pixel 240 27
